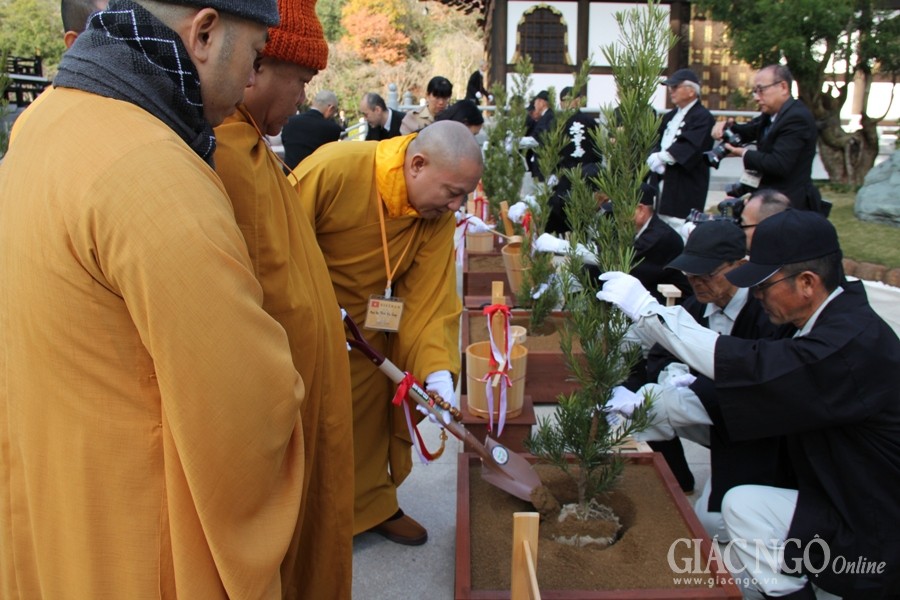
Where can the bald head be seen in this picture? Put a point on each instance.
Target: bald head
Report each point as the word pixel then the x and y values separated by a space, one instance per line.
pixel 75 14
pixel 447 143
pixel 443 164
pixel 761 205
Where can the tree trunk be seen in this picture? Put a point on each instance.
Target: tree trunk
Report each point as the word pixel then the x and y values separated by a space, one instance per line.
pixel 848 156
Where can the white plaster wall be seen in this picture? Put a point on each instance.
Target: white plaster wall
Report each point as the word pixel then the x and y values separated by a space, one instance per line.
pixel 602 92
pixel 601 89
pixel 543 81
pixel 605 30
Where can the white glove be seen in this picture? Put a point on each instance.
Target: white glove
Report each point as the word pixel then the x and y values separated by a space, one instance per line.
pixel 685 230
pixel 528 142
pixel 476 225
pixel 656 164
pixel 549 243
pixel 552 180
pixel 621 404
pixel 626 292
pixel 586 255
pixel 441 383
pixel 517 212
pixel 623 401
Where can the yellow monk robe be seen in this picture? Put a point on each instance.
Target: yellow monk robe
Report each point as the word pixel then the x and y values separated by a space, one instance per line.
pixel 150 436
pixel 298 293
pixel 337 187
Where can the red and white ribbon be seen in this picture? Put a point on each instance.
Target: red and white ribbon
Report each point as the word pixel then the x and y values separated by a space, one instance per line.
pixel 500 365
pixel 505 384
pixel 461 241
pixel 499 356
pixel 418 443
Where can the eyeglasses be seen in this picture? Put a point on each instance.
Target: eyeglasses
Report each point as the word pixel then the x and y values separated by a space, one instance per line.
pixel 767 284
pixel 759 89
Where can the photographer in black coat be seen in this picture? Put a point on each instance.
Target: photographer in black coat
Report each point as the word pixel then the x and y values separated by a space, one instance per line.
pixel 785 135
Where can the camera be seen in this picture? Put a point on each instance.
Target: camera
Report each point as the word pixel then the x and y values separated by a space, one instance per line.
pixel 737 189
pixel 714 157
pixel 729 210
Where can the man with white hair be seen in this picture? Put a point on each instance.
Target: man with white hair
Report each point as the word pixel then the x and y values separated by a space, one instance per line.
pixel 677 159
pixel 305 132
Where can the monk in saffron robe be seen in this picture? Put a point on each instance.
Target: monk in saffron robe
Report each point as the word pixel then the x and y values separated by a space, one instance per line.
pixel 297 292
pixel 404 191
pixel 150 437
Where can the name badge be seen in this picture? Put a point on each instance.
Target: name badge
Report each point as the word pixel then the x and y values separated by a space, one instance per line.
pixel 383 313
pixel 751 179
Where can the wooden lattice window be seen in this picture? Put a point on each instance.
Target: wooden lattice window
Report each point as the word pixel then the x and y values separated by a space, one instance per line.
pixel 543 35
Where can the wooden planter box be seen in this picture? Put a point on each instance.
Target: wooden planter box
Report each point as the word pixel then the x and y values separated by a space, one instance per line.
pixel 661 502
pixel 480 270
pixel 547 375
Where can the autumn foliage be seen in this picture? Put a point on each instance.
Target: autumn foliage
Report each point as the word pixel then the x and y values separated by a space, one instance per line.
pixel 374 38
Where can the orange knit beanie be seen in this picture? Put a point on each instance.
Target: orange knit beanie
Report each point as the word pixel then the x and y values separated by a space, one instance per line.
pixel 299 37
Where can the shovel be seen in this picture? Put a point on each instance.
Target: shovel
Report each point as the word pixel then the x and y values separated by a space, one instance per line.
pixel 502 468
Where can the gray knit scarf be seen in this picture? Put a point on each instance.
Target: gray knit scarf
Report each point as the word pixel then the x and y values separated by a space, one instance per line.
pixel 128 54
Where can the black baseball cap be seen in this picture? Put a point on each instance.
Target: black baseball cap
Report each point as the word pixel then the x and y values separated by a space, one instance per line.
pixel 679 76
pixel 649 193
pixel 710 245
pixel 785 238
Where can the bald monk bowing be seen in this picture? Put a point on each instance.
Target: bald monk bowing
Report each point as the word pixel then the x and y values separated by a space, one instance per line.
pixel 383 215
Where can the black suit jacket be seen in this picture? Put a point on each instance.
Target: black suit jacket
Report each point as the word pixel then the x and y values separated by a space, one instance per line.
pixel 581 149
pixel 541 126
pixel 761 461
pixel 653 250
pixel 686 183
pixel 380 133
pixel 304 133
pixel 835 394
pixel 475 86
pixel 784 152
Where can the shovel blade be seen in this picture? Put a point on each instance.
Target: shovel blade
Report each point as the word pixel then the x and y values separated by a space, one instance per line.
pixel 509 471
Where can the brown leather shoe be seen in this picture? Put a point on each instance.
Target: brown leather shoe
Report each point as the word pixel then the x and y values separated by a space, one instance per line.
pixel 402 529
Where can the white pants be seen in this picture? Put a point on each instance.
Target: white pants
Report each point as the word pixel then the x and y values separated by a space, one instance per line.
pixel 677 411
pixel 758 514
pixel 673 222
pixel 712 522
